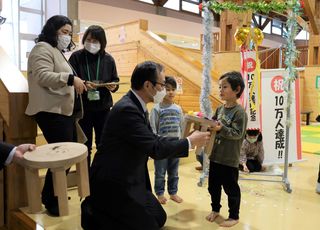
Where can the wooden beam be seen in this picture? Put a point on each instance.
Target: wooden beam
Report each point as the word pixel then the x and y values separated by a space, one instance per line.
pixel 265 23
pixel 159 2
pixel 162 2
pixel 309 8
pixel 303 23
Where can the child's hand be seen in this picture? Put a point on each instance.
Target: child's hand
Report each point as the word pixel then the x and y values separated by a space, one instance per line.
pixel 218 126
pixel 245 168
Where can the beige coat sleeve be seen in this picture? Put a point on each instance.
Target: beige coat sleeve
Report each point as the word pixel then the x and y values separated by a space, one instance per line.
pixel 44 68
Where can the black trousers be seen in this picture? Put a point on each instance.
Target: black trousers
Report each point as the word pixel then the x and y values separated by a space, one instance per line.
pixel 226 177
pixel 93 120
pixel 110 206
pixel 252 165
pixel 55 128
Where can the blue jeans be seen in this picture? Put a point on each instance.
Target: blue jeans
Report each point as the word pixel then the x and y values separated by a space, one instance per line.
pixel 160 169
pixel 200 157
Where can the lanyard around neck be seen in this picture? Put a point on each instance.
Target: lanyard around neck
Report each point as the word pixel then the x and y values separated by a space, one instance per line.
pixel 97 71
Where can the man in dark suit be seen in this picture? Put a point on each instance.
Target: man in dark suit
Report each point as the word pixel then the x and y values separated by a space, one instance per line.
pixel 9 152
pixel 121 196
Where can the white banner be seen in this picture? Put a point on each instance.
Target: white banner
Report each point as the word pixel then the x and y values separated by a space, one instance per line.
pixel 250 69
pixel 273 107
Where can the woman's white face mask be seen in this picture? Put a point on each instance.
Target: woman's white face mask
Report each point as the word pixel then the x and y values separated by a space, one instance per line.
pixel 252 139
pixel 63 41
pixel 92 47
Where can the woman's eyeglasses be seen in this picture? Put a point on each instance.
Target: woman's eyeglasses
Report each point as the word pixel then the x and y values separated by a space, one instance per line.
pixel 2 20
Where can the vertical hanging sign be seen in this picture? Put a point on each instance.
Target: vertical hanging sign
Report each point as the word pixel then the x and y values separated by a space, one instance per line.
pixel 250 69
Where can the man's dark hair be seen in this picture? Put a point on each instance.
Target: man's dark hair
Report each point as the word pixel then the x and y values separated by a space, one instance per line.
pixel 145 71
pixel 96 32
pixel 171 81
pixel 49 31
pixel 234 78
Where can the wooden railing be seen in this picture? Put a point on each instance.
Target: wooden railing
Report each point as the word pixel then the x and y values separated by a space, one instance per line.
pixel 274 58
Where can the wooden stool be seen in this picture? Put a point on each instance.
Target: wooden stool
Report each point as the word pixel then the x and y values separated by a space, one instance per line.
pixel 57 157
pixel 307 113
pixel 203 124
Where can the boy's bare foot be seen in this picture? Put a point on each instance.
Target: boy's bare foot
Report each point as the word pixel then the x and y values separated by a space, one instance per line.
pixel 176 198
pixel 263 168
pixel 229 223
pixel 162 199
pixel 212 216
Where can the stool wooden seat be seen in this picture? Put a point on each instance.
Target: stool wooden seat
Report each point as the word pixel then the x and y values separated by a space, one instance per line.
pixel 57 157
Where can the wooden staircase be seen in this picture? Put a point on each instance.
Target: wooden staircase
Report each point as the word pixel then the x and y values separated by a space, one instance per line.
pixel 141 45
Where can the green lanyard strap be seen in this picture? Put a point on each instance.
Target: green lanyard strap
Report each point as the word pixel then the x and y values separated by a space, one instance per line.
pixel 97 71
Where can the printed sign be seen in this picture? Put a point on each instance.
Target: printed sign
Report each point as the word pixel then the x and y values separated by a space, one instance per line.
pixel 273 109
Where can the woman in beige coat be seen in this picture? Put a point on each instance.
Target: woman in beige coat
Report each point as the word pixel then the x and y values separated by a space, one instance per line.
pixel 53 92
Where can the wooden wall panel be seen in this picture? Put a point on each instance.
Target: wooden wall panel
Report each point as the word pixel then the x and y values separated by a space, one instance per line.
pixel 226 61
pixel 310 93
pixel 126 32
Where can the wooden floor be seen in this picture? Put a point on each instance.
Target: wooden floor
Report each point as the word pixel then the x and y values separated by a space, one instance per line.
pixel 264 205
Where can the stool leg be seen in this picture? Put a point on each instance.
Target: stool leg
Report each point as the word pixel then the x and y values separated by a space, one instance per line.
pixel 204 128
pixel 60 190
pixel 83 178
pixel 209 146
pixel 33 189
pixel 308 119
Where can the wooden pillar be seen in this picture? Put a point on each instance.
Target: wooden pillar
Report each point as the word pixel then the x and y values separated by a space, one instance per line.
pixel 314 50
pixel 229 23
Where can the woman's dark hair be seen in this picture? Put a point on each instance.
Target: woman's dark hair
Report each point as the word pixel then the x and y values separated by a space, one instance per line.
pixel 254 132
pixel 235 80
pixel 171 81
pixel 96 32
pixel 145 71
pixel 49 31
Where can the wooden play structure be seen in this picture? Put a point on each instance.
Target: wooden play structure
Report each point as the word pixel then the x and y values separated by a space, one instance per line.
pixel 15 128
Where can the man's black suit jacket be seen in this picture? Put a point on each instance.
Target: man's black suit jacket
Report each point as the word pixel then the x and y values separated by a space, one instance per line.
pixel 5 150
pixel 119 170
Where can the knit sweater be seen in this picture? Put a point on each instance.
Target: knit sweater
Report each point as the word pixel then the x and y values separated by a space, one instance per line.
pixel 166 120
pixel 228 140
pixel 251 151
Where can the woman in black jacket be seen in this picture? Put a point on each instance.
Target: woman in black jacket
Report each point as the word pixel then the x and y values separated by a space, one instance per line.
pixel 94 65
